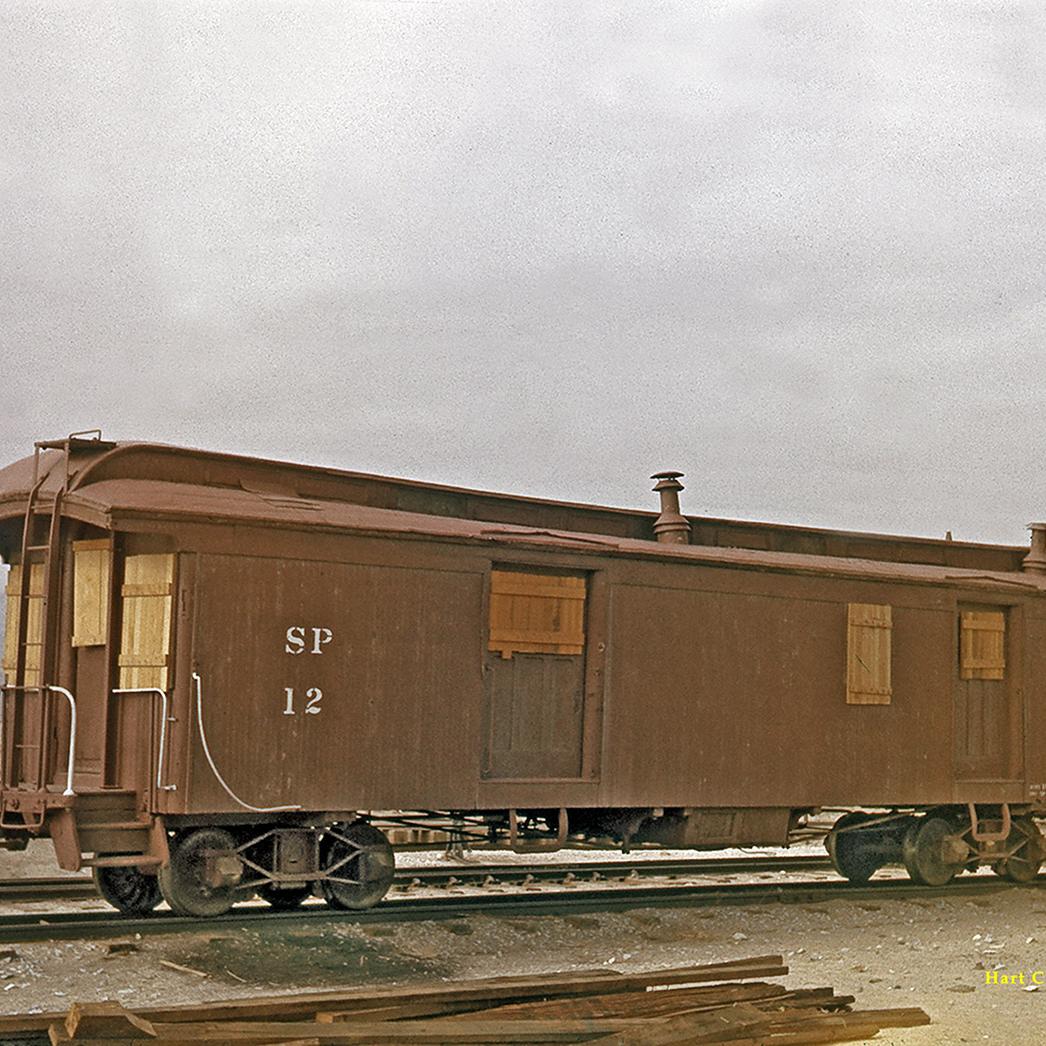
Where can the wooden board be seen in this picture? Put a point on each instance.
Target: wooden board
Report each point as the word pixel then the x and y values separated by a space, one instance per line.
pixel 982 644
pixel 485 991
pixel 536 613
pixel 868 654
pixel 34 637
pixel 146 640
pixel 92 562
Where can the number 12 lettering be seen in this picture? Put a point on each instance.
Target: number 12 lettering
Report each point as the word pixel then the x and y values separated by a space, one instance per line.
pixel 312 706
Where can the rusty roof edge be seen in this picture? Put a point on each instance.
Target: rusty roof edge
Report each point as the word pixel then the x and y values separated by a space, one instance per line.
pixel 111 450
pixel 331 472
pixel 566 541
pixel 336 473
pixel 519 531
pixel 83 510
pixel 790 562
pixel 82 507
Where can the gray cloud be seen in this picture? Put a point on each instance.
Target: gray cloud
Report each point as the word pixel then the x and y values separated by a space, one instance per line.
pixel 792 248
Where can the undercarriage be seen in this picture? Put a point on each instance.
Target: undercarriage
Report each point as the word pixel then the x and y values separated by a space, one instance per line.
pixel 201 865
pixel 936 844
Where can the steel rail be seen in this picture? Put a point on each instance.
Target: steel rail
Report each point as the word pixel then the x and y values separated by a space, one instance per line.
pixel 70 887
pixel 101 925
pixel 622 868
pixel 81 887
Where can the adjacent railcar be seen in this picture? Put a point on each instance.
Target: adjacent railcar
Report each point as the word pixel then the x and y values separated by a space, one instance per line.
pixel 217 668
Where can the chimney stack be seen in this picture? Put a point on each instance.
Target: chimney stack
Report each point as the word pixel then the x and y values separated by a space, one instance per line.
pixel 1035 560
pixel 670 528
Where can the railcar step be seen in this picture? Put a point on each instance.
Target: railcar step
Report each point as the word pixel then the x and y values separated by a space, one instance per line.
pixel 122 861
pixel 113 826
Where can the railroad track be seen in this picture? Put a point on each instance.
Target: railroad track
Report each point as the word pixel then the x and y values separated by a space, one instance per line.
pixel 72 888
pixel 64 888
pixel 560 901
pixel 609 870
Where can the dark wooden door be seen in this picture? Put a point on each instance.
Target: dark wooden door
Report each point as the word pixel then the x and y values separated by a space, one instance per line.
pixel 537 715
pixel 982 730
pixel 535 672
pixel 982 696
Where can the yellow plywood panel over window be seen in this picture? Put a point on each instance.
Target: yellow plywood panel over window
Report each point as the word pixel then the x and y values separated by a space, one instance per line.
pixel 34 635
pixel 14 579
pixel 536 613
pixel 869 630
pixel 145 643
pixel 91 564
pixel 982 644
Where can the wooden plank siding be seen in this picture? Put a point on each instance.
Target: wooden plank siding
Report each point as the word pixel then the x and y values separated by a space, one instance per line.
pixel 982 644
pixel 536 613
pixel 92 563
pixel 146 636
pixel 35 628
pixel 868 660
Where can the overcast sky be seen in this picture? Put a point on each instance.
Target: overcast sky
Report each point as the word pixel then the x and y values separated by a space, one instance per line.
pixel 793 249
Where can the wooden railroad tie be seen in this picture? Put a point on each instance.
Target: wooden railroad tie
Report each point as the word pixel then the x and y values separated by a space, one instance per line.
pixel 714 1003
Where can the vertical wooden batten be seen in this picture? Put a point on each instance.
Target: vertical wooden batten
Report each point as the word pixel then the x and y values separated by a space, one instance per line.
pixel 92 562
pixel 145 644
pixel 869 654
pixel 536 613
pixel 35 628
pixel 982 644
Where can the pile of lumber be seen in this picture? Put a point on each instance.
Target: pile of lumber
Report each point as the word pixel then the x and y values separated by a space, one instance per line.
pixel 727 1002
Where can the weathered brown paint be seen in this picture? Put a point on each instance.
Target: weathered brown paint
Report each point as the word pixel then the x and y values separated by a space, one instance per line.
pixel 400 683
pixel 713 676
pixel 129 464
pixel 536 704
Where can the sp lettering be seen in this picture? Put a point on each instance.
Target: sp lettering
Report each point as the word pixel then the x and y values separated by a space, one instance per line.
pixel 301 638
pixel 305 639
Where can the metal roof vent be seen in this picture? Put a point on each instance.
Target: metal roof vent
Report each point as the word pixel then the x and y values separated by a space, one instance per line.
pixel 670 528
pixel 1035 560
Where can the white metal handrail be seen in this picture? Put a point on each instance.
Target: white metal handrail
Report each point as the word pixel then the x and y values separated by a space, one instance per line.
pixel 72 736
pixel 72 727
pixel 210 759
pixel 164 720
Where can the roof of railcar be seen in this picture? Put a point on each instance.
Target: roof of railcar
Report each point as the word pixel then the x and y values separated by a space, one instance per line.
pixel 112 485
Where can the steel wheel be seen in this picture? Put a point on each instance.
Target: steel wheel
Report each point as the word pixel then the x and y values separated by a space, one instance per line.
pixel 923 852
pixel 363 864
pixel 1023 866
pixel 127 889
pixel 850 854
pixel 185 882
pixel 284 899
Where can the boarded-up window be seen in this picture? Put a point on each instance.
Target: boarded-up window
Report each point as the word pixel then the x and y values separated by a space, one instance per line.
pixel 869 627
pixel 982 644
pixel 90 592
pixel 34 636
pixel 536 613
pixel 145 643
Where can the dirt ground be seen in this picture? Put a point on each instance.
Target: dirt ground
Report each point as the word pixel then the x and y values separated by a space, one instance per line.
pixel 933 953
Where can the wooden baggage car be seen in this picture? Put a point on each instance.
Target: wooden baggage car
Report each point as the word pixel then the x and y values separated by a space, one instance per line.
pixel 217 667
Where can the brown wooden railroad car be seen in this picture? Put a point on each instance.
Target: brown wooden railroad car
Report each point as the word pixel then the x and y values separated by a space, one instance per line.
pixel 217 668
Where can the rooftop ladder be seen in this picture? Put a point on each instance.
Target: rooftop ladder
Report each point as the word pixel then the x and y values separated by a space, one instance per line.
pixel 28 715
